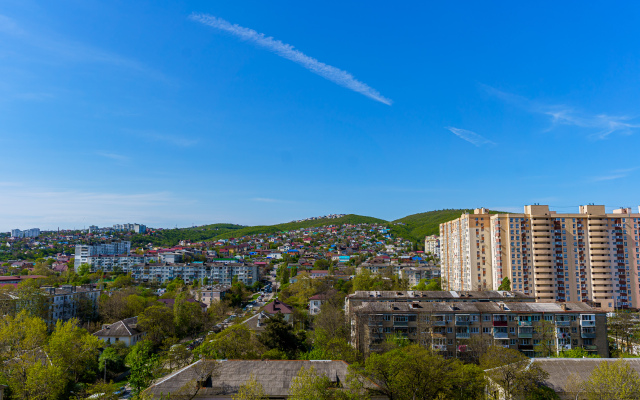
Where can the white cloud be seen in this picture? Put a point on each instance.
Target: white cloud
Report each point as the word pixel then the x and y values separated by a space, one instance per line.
pixel 471 137
pixel 338 76
pixel 603 125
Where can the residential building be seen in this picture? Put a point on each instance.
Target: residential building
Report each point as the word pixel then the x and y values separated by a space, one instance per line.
pixel 84 251
pixel 278 307
pixel 125 331
pixel 211 294
pixel 224 274
pixel 589 256
pixel 465 252
pixel 447 327
pixel 415 274
pixel 432 245
pixel 360 297
pixel 222 379
pixel 17 233
pixel 315 303
pixel 70 301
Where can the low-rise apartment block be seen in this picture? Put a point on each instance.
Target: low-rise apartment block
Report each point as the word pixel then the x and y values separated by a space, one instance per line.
pixel 84 251
pixel 451 327
pixel 432 245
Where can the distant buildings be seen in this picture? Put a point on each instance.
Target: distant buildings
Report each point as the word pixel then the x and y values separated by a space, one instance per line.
pixel 586 256
pixel 17 233
pixel 136 228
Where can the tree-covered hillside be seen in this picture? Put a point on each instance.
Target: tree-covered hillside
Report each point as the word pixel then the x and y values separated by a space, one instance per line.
pixel 413 227
pixel 289 226
pixel 417 226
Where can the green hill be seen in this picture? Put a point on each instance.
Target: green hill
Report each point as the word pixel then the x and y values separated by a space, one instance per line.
pixel 171 237
pixel 290 226
pixel 417 226
pixel 412 227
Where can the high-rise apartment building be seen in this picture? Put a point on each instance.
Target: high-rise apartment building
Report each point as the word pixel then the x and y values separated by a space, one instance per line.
pixel 465 252
pixel 589 256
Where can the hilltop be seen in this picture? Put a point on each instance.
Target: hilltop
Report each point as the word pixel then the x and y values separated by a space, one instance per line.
pixel 412 227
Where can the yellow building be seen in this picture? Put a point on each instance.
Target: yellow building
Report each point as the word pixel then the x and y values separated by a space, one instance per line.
pixel 589 256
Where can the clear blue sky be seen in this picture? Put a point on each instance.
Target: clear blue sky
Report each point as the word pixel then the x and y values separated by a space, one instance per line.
pixel 167 114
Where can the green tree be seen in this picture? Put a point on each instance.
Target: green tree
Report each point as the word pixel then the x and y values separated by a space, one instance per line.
pixel 309 385
pixel 429 285
pixel 84 269
pixel 74 350
pixel 321 264
pixel 511 371
pixel 505 284
pixel 158 322
pixel 23 341
pixel 613 381
pixel 177 356
pixel 279 334
pixel 143 364
pixel 235 342
pixel 415 372
pixel 546 333
pixel 109 358
pixel 251 389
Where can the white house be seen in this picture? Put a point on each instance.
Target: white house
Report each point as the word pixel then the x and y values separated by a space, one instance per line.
pixel 122 331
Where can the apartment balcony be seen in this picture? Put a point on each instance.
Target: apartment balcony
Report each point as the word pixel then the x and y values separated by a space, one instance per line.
pixel 525 323
pixel 463 335
pixel 563 322
pixel 526 333
pixel 587 323
pixel 439 347
pixel 588 334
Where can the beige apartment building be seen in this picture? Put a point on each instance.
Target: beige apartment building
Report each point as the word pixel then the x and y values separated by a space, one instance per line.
pixel 465 252
pixel 589 256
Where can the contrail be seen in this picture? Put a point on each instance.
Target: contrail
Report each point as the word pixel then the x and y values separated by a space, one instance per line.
pixel 469 136
pixel 336 75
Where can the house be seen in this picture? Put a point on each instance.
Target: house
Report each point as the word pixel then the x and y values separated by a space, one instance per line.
pixel 209 379
pixel 278 307
pixel 122 331
pixel 212 293
pixel 315 302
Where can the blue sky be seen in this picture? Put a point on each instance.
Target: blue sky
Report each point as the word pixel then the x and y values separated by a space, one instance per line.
pixel 169 114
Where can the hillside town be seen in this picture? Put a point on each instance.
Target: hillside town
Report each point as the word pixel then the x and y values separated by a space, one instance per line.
pixel 151 318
